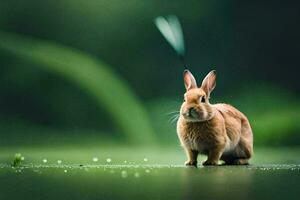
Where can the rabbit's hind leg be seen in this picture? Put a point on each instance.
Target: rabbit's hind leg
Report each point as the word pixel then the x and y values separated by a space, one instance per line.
pixel 235 161
pixel 237 157
pixel 228 159
pixel 241 161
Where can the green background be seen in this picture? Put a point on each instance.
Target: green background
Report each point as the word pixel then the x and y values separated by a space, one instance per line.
pixel 99 71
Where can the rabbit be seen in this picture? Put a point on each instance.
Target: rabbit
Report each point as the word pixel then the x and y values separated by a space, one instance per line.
pixel 219 131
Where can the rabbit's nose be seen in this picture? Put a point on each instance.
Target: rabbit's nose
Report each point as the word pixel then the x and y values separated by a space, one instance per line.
pixel 193 112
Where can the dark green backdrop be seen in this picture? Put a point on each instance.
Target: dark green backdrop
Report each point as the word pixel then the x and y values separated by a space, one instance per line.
pixel 253 45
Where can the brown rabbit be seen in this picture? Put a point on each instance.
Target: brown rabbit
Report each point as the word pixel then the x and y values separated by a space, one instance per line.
pixel 219 131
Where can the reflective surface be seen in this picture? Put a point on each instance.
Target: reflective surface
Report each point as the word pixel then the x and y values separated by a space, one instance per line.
pixel 115 177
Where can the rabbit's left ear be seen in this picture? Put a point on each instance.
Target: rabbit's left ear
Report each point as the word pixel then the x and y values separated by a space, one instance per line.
pixel 209 82
pixel 189 80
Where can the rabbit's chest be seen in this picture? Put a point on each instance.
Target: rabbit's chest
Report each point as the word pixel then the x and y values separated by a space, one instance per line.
pixel 199 141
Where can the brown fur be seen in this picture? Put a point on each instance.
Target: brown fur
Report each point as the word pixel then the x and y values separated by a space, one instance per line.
pixel 219 131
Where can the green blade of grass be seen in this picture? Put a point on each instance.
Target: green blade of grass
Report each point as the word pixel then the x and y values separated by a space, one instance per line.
pixel 110 91
pixel 171 29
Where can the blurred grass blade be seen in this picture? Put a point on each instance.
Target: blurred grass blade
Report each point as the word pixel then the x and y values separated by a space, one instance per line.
pixel 177 32
pixel 96 78
pixel 171 29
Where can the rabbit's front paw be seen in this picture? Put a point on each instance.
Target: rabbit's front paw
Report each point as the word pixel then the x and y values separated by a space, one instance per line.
pixel 191 163
pixel 209 162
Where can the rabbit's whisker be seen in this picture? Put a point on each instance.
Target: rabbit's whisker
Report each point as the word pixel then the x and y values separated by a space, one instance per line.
pixel 171 113
pixel 174 118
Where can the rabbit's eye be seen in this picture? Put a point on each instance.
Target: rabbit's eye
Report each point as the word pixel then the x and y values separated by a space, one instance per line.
pixel 202 99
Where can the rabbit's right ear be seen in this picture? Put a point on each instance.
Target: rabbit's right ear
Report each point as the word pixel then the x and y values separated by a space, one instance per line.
pixel 189 80
pixel 209 82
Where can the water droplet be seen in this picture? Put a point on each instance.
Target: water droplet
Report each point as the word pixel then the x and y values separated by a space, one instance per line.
pixel 65 171
pixel 146 159
pixel 22 158
pixel 136 175
pixel 124 174
pixel 59 161
pixel 95 159
pixel 45 160
pixel 108 160
pixel 125 161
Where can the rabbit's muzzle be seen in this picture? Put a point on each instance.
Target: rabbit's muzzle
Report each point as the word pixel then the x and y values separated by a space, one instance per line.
pixel 193 114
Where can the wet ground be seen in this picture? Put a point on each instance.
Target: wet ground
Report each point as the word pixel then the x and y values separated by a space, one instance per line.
pixel 146 174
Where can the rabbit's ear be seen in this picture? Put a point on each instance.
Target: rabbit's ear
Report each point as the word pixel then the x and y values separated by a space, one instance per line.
pixel 209 82
pixel 189 80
